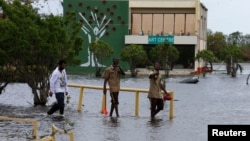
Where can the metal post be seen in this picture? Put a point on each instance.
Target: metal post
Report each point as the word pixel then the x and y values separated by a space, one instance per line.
pixel 103 104
pixel 34 129
pixel 137 103
pixel 80 99
pixel 171 107
pixel 71 136
pixel 53 132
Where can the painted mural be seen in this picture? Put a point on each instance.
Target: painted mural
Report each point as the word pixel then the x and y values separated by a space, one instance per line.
pixel 101 19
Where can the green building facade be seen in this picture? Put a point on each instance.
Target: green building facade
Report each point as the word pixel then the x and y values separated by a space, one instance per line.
pixel 101 20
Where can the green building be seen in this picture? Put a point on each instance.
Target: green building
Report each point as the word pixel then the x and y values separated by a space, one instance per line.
pixel 105 20
pixel 145 22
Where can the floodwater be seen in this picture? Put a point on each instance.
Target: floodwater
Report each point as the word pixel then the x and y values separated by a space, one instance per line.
pixel 216 99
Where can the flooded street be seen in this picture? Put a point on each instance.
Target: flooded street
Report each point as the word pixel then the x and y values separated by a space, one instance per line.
pixel 216 99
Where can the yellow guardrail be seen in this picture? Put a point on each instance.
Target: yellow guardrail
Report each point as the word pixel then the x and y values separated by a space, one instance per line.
pixel 33 121
pixel 49 138
pixel 136 90
pixel 57 130
pixel 61 131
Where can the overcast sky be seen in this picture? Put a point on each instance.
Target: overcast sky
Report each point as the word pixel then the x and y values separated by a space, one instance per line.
pixel 228 16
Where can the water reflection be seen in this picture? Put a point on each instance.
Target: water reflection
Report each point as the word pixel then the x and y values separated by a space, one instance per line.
pixel 155 122
pixel 111 122
pixel 111 126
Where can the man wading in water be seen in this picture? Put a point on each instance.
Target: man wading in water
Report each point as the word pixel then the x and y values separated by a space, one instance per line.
pixel 58 86
pixel 155 95
pixel 112 75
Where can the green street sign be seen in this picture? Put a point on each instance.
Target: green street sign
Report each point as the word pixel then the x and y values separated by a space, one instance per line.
pixel 160 39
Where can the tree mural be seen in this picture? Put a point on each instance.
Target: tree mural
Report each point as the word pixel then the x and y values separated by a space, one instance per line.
pixel 98 30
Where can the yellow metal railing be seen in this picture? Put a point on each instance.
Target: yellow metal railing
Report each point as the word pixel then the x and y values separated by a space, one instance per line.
pixel 33 121
pixel 49 138
pixel 57 130
pixel 137 93
pixel 61 131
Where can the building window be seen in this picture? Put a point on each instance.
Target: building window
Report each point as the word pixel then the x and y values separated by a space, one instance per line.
pixel 136 23
pixel 147 24
pixel 168 24
pixel 190 24
pixel 158 24
pixel 179 24
pixel 163 24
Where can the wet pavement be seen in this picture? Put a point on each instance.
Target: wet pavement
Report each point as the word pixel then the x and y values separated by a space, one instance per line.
pixel 216 99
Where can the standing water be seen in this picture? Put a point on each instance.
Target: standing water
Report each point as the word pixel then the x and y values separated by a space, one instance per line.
pixel 215 99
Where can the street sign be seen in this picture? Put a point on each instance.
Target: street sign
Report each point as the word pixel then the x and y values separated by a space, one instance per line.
pixel 160 39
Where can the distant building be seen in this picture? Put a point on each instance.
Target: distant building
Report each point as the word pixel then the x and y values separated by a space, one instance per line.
pixel 182 23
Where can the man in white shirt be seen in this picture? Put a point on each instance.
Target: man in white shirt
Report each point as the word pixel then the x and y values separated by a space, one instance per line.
pixel 58 86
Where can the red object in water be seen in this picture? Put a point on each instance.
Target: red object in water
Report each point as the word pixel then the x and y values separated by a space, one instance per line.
pixel 167 97
pixel 105 112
